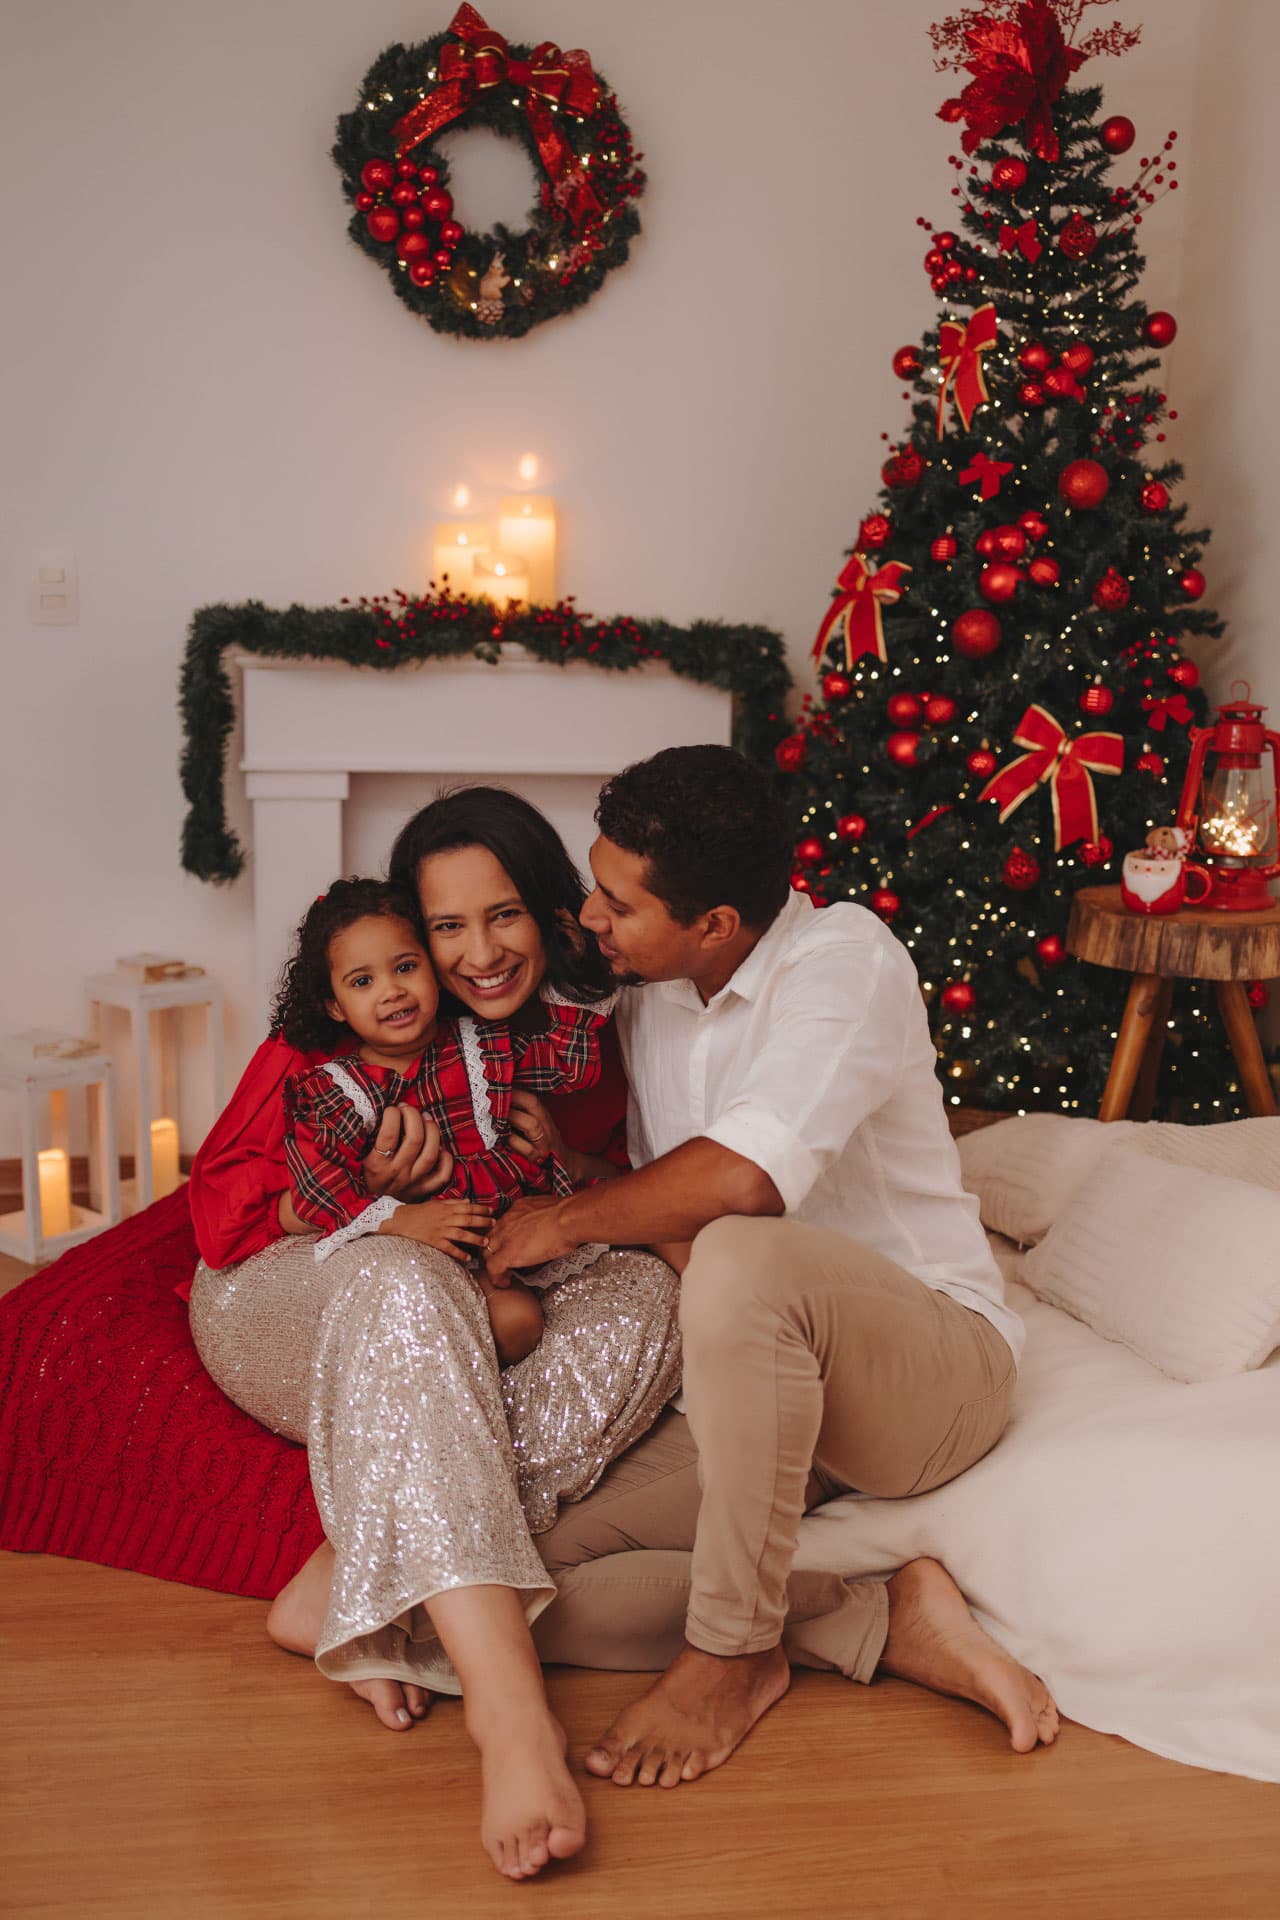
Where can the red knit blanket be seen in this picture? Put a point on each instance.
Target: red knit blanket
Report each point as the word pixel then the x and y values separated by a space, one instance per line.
pixel 115 1445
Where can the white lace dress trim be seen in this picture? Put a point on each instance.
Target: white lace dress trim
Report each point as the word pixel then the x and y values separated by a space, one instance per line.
pixel 355 1093
pixel 473 1060
pixel 554 998
pixel 367 1222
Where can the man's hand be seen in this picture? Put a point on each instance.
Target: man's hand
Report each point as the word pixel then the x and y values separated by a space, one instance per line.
pixel 406 1159
pixel 529 1234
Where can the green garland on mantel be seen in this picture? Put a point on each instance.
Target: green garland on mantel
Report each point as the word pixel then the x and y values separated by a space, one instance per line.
pixel 394 630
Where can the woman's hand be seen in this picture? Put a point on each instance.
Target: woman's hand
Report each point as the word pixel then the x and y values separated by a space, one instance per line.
pixel 406 1159
pixel 534 1133
pixel 459 1228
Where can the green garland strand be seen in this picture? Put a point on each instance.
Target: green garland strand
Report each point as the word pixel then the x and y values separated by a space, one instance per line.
pixel 389 631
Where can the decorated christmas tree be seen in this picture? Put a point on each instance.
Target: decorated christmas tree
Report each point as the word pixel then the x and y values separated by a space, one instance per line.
pixel 1005 701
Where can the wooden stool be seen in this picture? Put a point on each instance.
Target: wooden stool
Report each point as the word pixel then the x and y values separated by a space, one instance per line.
pixel 1196 944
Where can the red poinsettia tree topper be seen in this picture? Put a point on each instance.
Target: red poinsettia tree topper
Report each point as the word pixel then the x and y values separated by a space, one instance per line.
pixel 1020 59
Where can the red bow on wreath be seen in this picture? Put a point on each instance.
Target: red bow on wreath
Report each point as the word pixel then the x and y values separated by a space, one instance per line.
pixel 1160 709
pixel 483 60
pixel 959 348
pixel 1019 68
pixel 1065 765
pixel 856 609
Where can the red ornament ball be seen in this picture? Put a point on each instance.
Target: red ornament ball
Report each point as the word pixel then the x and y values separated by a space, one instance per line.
pixel 835 687
pixel 1258 994
pixel 1044 572
pixel 1153 497
pixel 939 710
pixel 976 633
pixel 810 852
pixel 944 548
pixel 999 582
pixel 1033 524
pixel 1084 483
pixel 428 175
pixel 1118 133
pixel 1009 174
pixel 934 260
pixel 413 246
pixel 905 709
pixel 413 219
pixel 982 763
pixel 790 753
pixel 438 203
pixel 800 883
pixel 1192 583
pixel 1050 951
pixel 1011 542
pixel 851 827
pixel 959 997
pixel 363 202
pixel 1021 871
pixel 403 194
pixel 406 170
pixel 902 748
pixel 907 362
pixel 1035 357
pixel 1031 394
pixel 1159 329
pixel 422 273
pixel 875 532
pixel 1062 384
pixel 1095 853
pixel 450 233
pixel 383 223
pixel 1097 702
pixel 377 176
pixel 946 241
pixel 1185 673
pixel 886 903
pixel 1111 592
pixel 1078 238
pixel 905 469
pixel 1078 357
pixel 985 544
pixel 1150 763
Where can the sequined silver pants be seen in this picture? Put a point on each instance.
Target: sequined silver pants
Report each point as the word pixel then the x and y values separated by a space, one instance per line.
pixel 431 1468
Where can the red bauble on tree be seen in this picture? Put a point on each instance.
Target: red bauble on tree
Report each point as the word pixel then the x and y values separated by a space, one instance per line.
pixel 1118 133
pixel 875 532
pixel 982 763
pixel 904 709
pixel 1043 571
pixel 944 548
pixel 1150 763
pixel 1185 673
pixel 1031 394
pixel 1033 524
pixel 1020 871
pixel 790 753
pixel 1084 483
pixel 1095 853
pixel 1010 542
pixel 985 544
pixel 1159 329
pixel 1061 384
pixel 976 633
pixel 1111 592
pixel 1008 174
pixel 905 469
pixel 836 687
pixel 902 748
pixel 1078 238
pixel 939 710
pixel 1192 583
pixel 886 903
pixel 1078 357
pixel 1097 702
pixel 810 852
pixel 851 827
pixel 1035 357
pixel 1153 497
pixel 1050 951
pixel 958 997
pixel 907 362
pixel 999 582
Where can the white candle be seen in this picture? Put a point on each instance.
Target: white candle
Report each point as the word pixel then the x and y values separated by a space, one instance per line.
pixel 455 548
pixel 55 1192
pixel 164 1157
pixel 527 528
pixel 502 577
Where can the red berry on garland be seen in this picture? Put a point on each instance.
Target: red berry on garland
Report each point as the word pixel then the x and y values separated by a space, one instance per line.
pixel 1150 763
pixel 1097 702
pixel 438 203
pixel 1159 329
pixel 1011 542
pixel 944 548
pixel 376 176
pixel 982 763
pixel 790 753
pixel 939 710
pixel 976 633
pixel 383 223
pixel 959 997
pixel 1153 497
pixel 403 195
pixel 1258 994
pixel 985 544
pixel 902 748
pixel 907 362
pixel 875 532
pixel 1035 357
pixel 999 582
pixel 1044 572
pixel 1021 871
pixel 413 246
pixel 1078 239
pixel 1084 483
pixel 1118 133
pixel 905 469
pixel 886 903
pixel 905 709
pixel 1111 592
pixel 1078 357
pixel 1095 853
pixel 363 202
pixel 450 233
pixel 851 827
pixel 836 686
pixel 810 852
pixel 1033 524
pixel 1009 174
pixel 1050 951
pixel 1185 673
pixel 1031 394
pixel 1192 583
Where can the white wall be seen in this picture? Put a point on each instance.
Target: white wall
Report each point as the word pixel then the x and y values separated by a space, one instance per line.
pixel 213 396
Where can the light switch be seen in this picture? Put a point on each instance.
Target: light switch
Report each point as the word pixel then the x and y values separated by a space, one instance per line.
pixel 55 592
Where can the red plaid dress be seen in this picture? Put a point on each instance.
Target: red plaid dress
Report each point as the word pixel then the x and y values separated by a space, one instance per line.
pixel 464 1081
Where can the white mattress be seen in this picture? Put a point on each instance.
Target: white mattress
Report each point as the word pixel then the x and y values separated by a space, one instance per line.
pixel 1122 1540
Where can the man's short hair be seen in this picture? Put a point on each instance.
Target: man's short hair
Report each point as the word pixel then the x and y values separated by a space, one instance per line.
pixel 711 828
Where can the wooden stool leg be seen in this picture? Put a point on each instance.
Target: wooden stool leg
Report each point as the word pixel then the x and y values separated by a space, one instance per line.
pixel 1144 1093
pixel 1131 1043
pixel 1237 1018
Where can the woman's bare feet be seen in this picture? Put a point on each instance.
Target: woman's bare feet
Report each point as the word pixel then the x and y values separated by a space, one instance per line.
pixel 294 1622
pixel 532 1812
pixel 935 1641
pixel 692 1719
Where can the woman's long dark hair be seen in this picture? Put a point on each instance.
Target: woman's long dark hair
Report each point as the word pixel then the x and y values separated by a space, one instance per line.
pixel 525 843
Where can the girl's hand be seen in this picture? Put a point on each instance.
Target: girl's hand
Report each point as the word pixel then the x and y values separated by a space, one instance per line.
pixel 533 1132
pixel 406 1159
pixel 459 1228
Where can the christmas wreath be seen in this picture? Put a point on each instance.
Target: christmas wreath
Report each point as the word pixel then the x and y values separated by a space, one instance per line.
pixel 494 285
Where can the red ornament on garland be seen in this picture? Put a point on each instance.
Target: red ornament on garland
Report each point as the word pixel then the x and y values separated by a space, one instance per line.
pixel 403 195
pixel 944 548
pixel 1159 329
pixel 450 233
pixel 1084 483
pixel 959 997
pixel 413 246
pixel 982 763
pixel 836 687
pixel 907 362
pixel 1192 583
pixel 905 709
pixel 1111 592
pixel 800 882
pixel 438 203
pixel 1021 871
pixel 790 753
pixel 905 469
pixel 1033 524
pixel 939 710
pixel 428 175
pixel 1043 571
pixel 946 241
pixel 811 852
pixel 1118 133
pixel 1010 542
pixel 1153 497
pixel 902 748
pixel 377 176
pixel 363 202
pixel 1097 702
pixel 1008 174
pixel 875 532
pixel 1150 763
pixel 1078 238
pixel 413 219
pixel 1095 853
pixel 999 582
pixel 422 272
pixel 976 633
pixel 383 223
pixel 1050 951
pixel 886 903
pixel 1185 673
pixel 1078 357
pixel 1035 357
pixel 851 827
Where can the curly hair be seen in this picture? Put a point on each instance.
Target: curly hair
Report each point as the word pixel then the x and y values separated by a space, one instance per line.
pixel 711 828
pixel 299 1014
pixel 523 842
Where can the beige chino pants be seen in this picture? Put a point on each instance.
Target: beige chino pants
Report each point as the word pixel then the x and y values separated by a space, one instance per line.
pixel 813 1366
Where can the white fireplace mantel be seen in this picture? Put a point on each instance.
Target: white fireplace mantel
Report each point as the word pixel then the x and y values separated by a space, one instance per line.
pixel 310 725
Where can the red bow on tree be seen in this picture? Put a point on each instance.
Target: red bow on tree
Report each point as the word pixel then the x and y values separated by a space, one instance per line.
pixel 548 77
pixel 1065 765
pixel 1019 68
pixel 1023 237
pixel 959 348
pixel 856 609
pixel 986 470
pixel 1160 709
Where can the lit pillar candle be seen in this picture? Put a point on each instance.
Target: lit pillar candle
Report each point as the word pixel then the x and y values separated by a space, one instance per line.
pixel 164 1157
pixel 55 1192
pixel 455 549
pixel 502 577
pixel 527 529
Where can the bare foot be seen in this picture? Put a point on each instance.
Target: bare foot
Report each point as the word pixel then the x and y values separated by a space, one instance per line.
pixel 692 1719
pixel 532 1811
pixel 294 1622
pixel 935 1641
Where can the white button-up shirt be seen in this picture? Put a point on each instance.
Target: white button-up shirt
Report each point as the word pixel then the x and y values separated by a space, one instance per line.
pixel 816 1062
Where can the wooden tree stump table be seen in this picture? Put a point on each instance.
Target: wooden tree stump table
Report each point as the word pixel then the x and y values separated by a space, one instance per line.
pixel 1196 944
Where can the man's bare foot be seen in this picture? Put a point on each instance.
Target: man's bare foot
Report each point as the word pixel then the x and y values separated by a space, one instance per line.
pixel 935 1641
pixel 692 1719
pixel 294 1622
pixel 532 1811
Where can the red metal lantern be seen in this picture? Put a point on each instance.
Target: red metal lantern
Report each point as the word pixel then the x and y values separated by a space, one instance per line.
pixel 1234 805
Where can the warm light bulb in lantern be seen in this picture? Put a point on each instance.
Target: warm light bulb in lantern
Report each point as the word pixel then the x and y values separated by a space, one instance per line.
pixel 53 1173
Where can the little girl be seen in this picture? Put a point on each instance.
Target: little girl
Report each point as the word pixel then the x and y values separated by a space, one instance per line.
pixel 360 983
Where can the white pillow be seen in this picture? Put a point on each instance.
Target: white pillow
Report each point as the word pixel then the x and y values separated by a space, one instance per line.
pixel 1242 1149
pixel 1025 1170
pixel 1180 1265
